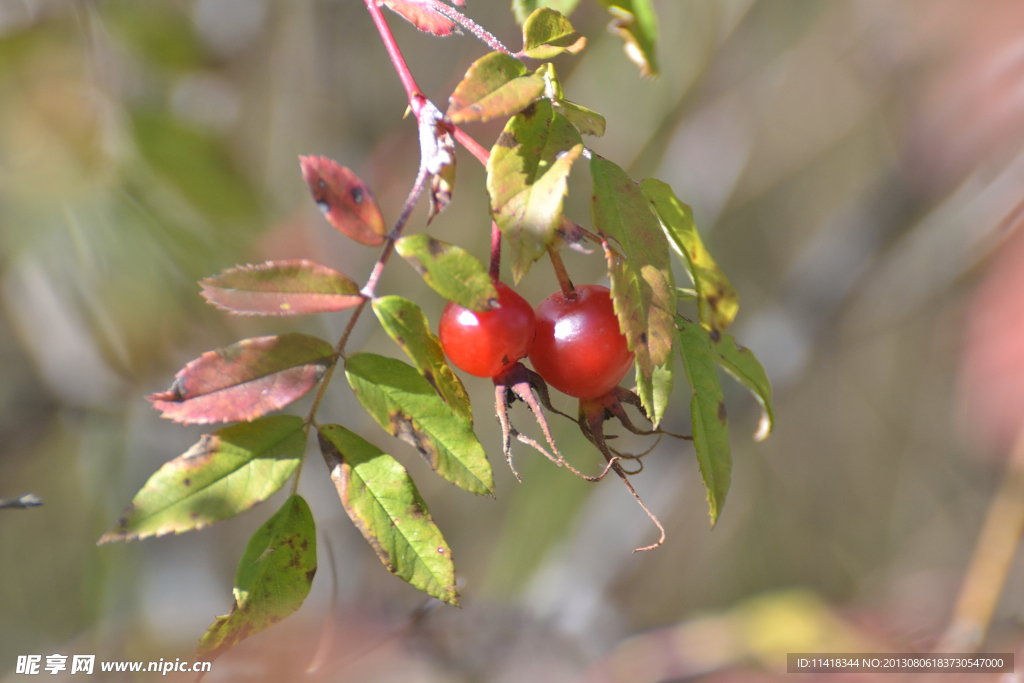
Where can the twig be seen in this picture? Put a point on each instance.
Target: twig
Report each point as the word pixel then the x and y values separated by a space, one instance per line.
pixel 468 24
pixel 29 500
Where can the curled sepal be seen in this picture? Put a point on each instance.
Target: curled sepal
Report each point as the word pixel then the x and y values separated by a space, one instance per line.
pixel 592 415
pixel 643 289
pixel 450 270
pixel 422 16
pixel 246 380
pixel 405 323
pixel 281 288
pixel 547 34
pixel 344 199
pixel 524 8
pixel 225 473
pixel 405 405
pixel 707 413
pixel 497 84
pixel 527 176
pixel 437 157
pixel 717 299
pixel 635 22
pixel 381 499
pixel 273 578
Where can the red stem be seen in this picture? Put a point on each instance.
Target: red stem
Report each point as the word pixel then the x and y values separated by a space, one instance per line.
pixel 471 145
pixel 495 252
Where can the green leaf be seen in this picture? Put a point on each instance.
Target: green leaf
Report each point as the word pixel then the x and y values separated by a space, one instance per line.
pixel 741 363
pixel 587 121
pixel 526 179
pixel 716 297
pixel 281 288
pixel 225 473
pixel 405 405
pixel 405 323
pixel 547 33
pixel 654 391
pixel 635 22
pixel 451 271
pixel 643 289
pixel 381 499
pixel 524 8
pixel 710 423
pixel 273 577
pixel 497 84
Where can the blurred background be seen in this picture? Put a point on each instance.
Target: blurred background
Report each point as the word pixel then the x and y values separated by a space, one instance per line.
pixel 855 166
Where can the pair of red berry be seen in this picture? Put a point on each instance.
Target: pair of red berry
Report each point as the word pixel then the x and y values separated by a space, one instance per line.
pixel 574 344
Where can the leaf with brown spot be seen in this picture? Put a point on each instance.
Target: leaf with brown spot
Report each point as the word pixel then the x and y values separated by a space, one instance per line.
pixel 405 405
pixel 547 34
pixel 381 499
pixel 344 199
pixel 717 299
pixel 225 473
pixel 707 413
pixel 497 84
pixel 643 288
pixel 744 367
pixel 405 323
pixel 450 270
pixel 527 176
pixel 281 288
pixel 272 580
pixel 245 380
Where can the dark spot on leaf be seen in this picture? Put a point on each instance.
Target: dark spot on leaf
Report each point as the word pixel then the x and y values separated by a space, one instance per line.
pixel 715 335
pixel 436 248
pixel 507 140
pixel 310 574
pixel 428 374
pixel 321 184
pixel 402 426
pixel 274 618
pixel 305 545
pixel 721 412
pixel 529 112
pixel 399 340
pixel 193 516
pixel 643 337
pixel 416 510
pixel 417 266
pixel 187 482
pixel 295 562
pixel 357 195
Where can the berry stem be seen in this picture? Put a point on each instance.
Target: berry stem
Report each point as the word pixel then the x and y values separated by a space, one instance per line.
pixel 568 291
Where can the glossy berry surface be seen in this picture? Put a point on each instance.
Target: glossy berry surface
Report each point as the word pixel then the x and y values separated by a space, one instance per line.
pixel 484 344
pixel 579 349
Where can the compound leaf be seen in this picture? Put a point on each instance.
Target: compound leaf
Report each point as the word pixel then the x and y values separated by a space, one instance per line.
pixel 643 289
pixel 281 288
pixel 245 380
pixel 710 423
pixel 405 323
pixel 273 577
pixel 741 363
pixel 717 299
pixel 381 499
pixel 526 179
pixel 345 200
pixel 405 405
pixel 497 84
pixel 450 270
pixel 635 22
pixel 547 33
pixel 225 473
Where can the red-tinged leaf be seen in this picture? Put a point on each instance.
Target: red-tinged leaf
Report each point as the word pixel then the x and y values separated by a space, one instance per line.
pixel 497 84
pixel 422 16
pixel 344 199
pixel 281 288
pixel 246 380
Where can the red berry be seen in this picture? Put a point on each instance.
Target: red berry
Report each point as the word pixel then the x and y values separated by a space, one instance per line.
pixel 484 344
pixel 579 349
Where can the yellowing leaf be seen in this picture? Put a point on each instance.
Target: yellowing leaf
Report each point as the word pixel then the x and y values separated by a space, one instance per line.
pixel 497 84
